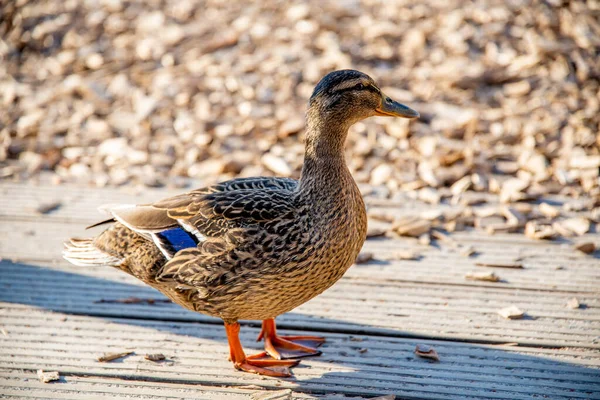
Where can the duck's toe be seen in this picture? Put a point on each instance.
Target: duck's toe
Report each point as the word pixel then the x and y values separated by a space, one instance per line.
pixel 256 364
pixel 285 347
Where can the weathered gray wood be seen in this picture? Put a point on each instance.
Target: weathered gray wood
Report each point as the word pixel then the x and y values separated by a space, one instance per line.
pixel 349 296
pixel 42 241
pixel 373 318
pixel 16 384
pixel 350 306
pixel 197 352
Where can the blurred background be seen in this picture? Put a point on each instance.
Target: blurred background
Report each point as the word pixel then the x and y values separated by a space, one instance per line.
pixel 178 92
pixel 130 101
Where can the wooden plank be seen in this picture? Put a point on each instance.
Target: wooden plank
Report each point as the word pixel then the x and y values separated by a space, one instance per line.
pixel 197 355
pixel 369 317
pixel 20 384
pixel 43 241
pixel 548 265
pixel 20 199
pixel 350 306
pixel 348 295
pixel 79 204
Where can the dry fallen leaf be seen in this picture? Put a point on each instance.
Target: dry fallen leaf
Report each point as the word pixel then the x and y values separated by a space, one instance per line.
pixel 491 223
pixel 375 232
pixel 425 239
pixel 499 264
pixel 425 351
pixel 586 247
pixel 549 210
pixel 535 230
pixel 411 226
pixel 429 195
pixel 573 303
pixel 511 140
pixel 223 125
pixel 114 356
pixel 461 185
pixel 276 164
pixel 364 257
pixel 381 174
pixel 512 190
pixel 45 208
pixel 47 376
pixel 561 230
pixel 512 312
pixel 432 215
pixel 487 211
pixel 379 215
pixel 467 251
pixel 155 357
pixel 579 226
pixel 595 215
pixel 514 217
pixel 406 255
pixel 483 276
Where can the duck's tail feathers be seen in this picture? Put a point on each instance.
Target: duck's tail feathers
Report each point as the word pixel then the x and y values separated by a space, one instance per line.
pixel 83 253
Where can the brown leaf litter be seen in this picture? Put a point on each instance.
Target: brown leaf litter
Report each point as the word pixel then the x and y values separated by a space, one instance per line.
pixel 114 356
pixel 426 351
pixel 47 376
pixel 136 108
pixel 511 312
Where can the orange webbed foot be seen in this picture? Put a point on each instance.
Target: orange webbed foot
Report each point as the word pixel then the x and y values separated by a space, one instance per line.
pixel 282 347
pixel 258 363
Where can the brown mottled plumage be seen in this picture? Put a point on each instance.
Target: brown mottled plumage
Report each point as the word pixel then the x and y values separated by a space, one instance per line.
pixel 255 248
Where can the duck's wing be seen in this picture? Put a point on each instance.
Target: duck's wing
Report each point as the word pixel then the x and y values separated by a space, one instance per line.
pixel 149 218
pixel 242 206
pixel 225 220
pixel 194 229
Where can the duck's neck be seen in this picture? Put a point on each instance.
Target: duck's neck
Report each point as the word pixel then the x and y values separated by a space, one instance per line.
pixel 324 166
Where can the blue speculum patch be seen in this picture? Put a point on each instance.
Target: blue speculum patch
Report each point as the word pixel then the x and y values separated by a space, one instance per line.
pixel 178 238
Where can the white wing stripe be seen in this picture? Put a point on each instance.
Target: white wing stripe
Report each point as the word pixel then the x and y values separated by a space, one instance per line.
pixel 191 229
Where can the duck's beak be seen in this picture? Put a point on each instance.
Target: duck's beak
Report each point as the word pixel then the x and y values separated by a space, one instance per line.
pixel 391 108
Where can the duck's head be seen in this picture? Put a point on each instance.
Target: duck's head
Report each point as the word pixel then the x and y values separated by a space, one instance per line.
pixel 348 96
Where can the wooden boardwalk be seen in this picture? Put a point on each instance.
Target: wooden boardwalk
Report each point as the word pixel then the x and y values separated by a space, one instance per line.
pixel 58 317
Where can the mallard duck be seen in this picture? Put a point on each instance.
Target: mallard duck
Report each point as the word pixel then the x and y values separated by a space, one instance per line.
pixel 254 248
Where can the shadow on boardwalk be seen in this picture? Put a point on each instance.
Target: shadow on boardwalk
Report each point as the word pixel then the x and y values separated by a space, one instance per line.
pixel 466 370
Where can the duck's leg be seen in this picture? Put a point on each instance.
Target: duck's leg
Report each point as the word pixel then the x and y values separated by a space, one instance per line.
pixel 254 364
pixel 275 344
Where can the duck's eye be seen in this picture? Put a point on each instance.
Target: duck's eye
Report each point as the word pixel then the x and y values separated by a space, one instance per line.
pixel 360 86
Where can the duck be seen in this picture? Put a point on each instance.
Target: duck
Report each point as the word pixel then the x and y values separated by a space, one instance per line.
pixel 255 248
